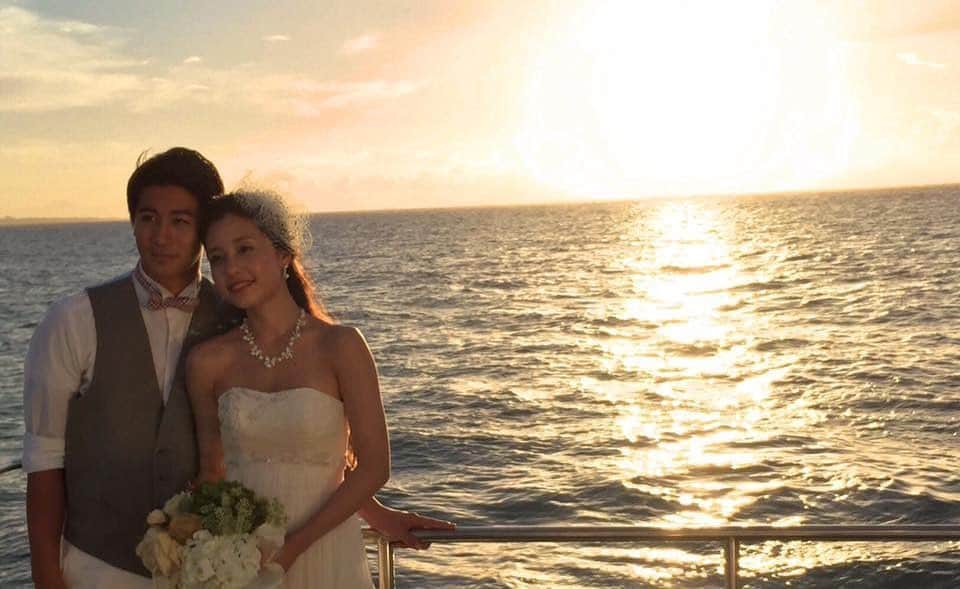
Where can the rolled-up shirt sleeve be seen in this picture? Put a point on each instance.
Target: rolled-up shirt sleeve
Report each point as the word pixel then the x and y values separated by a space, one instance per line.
pixel 59 365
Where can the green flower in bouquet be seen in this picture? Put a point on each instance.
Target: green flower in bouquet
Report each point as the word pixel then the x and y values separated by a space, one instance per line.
pixel 227 507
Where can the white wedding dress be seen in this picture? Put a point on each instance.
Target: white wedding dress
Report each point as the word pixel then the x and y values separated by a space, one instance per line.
pixel 292 445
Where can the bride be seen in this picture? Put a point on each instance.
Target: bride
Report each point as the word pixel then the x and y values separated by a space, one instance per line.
pixel 289 402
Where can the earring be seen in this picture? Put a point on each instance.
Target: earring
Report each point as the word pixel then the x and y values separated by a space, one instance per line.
pixel 286 273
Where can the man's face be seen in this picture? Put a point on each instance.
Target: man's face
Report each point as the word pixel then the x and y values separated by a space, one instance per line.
pixel 168 239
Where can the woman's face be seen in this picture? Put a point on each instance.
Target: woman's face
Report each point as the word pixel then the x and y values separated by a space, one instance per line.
pixel 247 268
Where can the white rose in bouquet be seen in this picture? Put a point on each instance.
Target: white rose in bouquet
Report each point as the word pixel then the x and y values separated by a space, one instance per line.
pixel 215 562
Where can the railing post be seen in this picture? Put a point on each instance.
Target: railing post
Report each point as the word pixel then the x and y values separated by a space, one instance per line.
pixel 731 562
pixel 385 561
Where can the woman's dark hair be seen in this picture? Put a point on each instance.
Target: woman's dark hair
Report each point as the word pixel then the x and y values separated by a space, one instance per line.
pixel 178 166
pixel 285 230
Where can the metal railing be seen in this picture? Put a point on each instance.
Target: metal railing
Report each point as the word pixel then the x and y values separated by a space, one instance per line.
pixel 729 537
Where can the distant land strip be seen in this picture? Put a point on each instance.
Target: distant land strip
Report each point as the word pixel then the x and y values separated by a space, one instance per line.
pixel 17 221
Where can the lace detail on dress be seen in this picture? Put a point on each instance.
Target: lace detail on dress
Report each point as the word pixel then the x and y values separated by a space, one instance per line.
pixel 295 426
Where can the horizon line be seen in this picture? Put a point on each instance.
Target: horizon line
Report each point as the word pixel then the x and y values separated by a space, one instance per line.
pixel 10 220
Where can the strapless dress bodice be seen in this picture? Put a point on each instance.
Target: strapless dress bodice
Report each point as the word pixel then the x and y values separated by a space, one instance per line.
pixel 297 426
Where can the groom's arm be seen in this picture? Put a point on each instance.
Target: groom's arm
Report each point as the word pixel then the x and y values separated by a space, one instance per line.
pixel 45 513
pixel 58 365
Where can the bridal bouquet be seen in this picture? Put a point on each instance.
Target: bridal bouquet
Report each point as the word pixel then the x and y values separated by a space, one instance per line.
pixel 212 538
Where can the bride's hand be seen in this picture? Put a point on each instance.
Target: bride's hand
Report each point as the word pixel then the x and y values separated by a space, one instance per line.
pixel 283 557
pixel 398 526
pixel 287 554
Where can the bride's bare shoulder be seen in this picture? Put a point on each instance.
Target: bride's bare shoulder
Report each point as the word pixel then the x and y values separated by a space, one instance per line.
pixel 335 340
pixel 214 353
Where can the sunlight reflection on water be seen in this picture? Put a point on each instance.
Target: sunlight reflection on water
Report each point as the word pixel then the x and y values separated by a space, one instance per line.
pixel 684 425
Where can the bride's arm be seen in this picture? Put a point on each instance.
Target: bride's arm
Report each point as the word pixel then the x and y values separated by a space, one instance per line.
pixel 398 525
pixel 201 377
pixel 360 393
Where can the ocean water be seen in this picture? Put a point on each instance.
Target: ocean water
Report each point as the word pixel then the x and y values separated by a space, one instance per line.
pixel 790 359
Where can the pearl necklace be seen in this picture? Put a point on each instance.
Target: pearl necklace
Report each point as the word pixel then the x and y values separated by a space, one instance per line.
pixel 286 354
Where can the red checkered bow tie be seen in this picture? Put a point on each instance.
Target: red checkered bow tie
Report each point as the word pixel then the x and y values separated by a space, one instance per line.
pixel 158 301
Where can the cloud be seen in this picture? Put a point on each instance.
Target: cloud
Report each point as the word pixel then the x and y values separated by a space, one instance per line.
pixel 345 189
pixel 324 176
pixel 51 65
pixel 276 38
pixel 945 127
pixel 278 94
pixel 891 19
pixel 360 44
pixel 911 58
pixel 308 97
pixel 949 118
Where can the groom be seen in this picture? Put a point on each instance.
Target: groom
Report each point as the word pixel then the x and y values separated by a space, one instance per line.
pixel 109 428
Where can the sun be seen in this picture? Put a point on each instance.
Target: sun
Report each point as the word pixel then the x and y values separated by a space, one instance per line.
pixel 644 98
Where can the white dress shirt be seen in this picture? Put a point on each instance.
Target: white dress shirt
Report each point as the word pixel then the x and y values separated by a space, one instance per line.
pixel 59 365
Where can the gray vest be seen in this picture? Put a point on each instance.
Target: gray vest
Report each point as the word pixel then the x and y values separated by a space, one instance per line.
pixel 127 453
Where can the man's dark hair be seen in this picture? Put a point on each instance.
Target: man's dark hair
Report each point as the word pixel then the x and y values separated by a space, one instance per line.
pixel 177 166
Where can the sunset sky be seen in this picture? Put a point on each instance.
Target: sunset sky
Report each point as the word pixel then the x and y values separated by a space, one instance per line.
pixel 351 105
